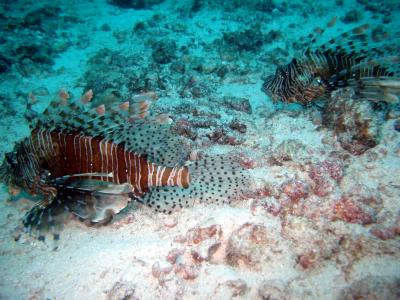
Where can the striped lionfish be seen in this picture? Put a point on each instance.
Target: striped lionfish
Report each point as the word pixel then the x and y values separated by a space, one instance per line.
pixel 345 61
pixel 91 162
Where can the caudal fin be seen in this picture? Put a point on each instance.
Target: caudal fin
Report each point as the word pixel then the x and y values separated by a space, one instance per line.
pixel 214 179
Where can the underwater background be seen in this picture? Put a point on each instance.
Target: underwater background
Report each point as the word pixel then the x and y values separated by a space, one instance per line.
pixel 320 218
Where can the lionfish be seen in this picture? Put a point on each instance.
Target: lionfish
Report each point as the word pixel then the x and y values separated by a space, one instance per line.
pixel 90 162
pixel 365 60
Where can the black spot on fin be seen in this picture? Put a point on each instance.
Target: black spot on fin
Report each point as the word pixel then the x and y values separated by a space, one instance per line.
pixel 214 179
pixel 158 143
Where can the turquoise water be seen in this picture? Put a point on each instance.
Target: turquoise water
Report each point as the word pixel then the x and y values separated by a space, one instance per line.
pixel 289 108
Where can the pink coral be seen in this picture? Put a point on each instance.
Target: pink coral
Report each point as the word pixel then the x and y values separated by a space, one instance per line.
pixel 350 212
pixel 386 233
pixel 321 170
pixel 198 234
pixel 186 271
pixel 174 254
pixel 326 175
pixel 295 190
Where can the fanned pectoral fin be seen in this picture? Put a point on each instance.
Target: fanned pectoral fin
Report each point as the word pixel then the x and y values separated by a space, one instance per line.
pixel 46 216
pixel 93 202
pixel 96 202
pixel 378 89
pixel 98 208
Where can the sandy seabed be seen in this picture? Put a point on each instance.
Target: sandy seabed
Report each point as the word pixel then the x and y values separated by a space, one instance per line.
pixel 320 222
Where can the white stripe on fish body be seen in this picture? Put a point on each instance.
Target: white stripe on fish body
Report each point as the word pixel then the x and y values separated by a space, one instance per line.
pixel 130 168
pixel 112 157
pixel 139 173
pixel 87 156
pixel 160 174
pixel 52 144
pixel 170 181
pixel 126 168
pixel 150 172
pixel 101 156
pixel 91 154
pixel 49 148
pixel 179 181
pixel 106 152
pixel 40 141
pixel 116 160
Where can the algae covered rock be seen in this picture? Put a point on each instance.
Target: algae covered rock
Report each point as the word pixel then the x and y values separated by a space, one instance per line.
pixel 137 4
pixel 354 122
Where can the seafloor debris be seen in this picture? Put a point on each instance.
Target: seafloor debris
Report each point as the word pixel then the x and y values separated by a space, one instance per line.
pixel 322 219
pixel 31 43
pixel 356 124
pixel 246 246
pixel 373 287
pixel 295 190
pixel 321 244
pixel 247 40
pixel 121 290
pixel 326 175
pixel 205 241
pixel 272 290
pixel 164 51
pixel 137 4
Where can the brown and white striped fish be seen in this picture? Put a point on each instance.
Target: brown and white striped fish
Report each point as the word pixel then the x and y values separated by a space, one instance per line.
pixel 364 59
pixel 92 162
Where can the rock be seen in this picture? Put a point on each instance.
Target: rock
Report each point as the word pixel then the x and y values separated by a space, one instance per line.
pixel 205 241
pixel 198 234
pixel 174 254
pixel 326 175
pixel 105 27
pixel 187 271
pixel 238 126
pixel 238 287
pixel 5 64
pixel 137 4
pixel 164 51
pixel 251 39
pixel 36 17
pixel 373 288
pixel 295 190
pixel 237 103
pixel 122 291
pixel 311 244
pixel 246 245
pixel 271 290
pixel 353 121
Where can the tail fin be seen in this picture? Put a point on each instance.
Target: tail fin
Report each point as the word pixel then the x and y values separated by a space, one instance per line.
pixel 214 179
